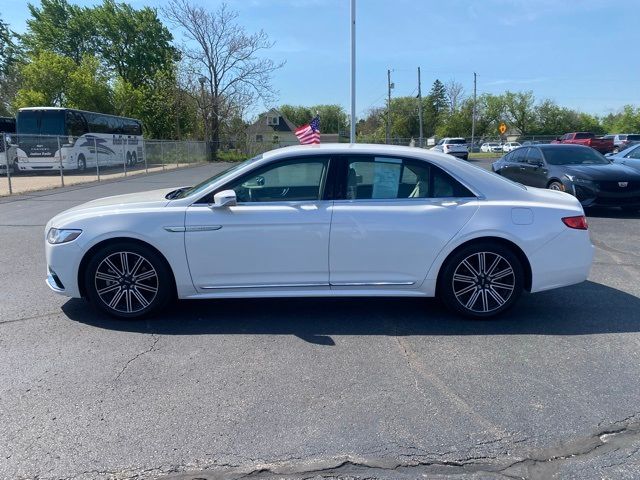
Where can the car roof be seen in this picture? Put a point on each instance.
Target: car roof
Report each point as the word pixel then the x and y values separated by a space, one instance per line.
pixel 566 146
pixel 347 148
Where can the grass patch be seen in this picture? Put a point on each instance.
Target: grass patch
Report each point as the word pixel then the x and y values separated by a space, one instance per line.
pixel 485 155
pixel 231 156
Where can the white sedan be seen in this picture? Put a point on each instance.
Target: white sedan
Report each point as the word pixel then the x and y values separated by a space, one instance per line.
pixel 510 146
pixel 329 220
pixel 491 147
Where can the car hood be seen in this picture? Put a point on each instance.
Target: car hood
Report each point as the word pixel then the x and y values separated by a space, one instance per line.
pixel 612 171
pixel 109 205
pixel 629 162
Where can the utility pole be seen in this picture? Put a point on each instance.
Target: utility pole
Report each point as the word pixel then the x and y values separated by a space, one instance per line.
pixel 352 134
pixel 420 140
pixel 389 87
pixel 473 114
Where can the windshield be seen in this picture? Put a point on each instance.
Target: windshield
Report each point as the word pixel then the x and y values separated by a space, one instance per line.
pixel 41 122
pixel 574 156
pixel 203 185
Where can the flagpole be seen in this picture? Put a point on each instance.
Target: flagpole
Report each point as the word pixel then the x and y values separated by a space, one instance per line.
pixel 352 136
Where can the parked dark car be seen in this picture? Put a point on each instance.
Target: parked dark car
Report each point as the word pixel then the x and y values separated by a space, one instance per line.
pixel 579 170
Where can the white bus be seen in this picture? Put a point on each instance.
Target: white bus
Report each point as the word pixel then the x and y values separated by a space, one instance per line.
pixel 7 151
pixel 50 138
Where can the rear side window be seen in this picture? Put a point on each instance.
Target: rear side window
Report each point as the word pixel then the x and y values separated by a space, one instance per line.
pixel 583 135
pixel 380 178
pixel 534 156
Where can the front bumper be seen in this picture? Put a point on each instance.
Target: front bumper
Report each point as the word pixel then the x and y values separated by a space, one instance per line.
pixel 63 261
pixel 605 194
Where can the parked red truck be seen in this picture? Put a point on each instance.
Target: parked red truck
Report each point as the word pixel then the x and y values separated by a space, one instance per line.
pixel 587 138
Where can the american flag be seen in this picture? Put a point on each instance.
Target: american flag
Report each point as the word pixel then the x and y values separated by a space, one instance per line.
pixel 309 133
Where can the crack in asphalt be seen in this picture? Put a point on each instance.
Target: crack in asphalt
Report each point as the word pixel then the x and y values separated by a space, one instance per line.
pixel 33 317
pixel 604 246
pixel 620 435
pixel 156 338
pixel 416 367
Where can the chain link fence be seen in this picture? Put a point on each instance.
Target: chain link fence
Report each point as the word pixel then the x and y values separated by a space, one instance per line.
pixel 39 162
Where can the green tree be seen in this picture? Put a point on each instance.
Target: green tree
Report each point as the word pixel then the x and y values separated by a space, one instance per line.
pixel 10 58
pixel 297 114
pixel 333 118
pixel 60 27
pixel 626 120
pixel 52 80
pixel 133 42
pixel 519 107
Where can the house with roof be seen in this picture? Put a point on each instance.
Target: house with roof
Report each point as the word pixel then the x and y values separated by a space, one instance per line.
pixel 272 129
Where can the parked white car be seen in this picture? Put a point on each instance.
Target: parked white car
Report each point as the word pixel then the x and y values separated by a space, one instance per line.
pixel 508 146
pixel 334 220
pixel 453 146
pixel 491 147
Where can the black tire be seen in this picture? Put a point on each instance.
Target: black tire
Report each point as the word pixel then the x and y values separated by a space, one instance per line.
pixel 555 185
pixel 16 168
pixel 134 159
pixel 481 290
pixel 465 157
pixel 143 288
pixel 616 150
pixel 82 163
pixel 129 159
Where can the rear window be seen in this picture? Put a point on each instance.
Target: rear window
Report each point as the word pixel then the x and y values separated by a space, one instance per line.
pixel 457 141
pixel 583 135
pixel 633 138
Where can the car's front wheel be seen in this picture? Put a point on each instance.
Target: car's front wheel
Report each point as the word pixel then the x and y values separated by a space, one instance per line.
pixel 481 280
pixel 128 280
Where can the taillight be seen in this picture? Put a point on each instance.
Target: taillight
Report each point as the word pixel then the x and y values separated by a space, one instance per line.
pixel 579 222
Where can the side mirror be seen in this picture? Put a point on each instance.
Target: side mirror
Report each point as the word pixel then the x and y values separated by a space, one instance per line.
pixel 225 198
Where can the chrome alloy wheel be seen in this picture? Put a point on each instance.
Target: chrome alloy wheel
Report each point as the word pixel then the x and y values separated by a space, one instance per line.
pixel 126 282
pixel 483 282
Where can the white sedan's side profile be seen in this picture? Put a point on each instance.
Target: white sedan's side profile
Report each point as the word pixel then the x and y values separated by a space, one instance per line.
pixel 323 220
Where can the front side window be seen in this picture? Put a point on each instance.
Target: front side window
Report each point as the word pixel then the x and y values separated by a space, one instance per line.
pixel 381 178
pixel 296 180
pixel 519 155
pixel 635 153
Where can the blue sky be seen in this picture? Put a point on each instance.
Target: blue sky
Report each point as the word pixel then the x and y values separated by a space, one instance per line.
pixel 581 53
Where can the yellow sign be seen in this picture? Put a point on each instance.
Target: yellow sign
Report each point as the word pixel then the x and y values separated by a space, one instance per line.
pixel 502 128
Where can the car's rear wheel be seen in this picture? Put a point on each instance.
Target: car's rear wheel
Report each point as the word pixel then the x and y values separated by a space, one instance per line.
pixel 128 280
pixel 481 280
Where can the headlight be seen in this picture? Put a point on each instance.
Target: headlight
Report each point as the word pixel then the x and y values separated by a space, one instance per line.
pixel 578 180
pixel 56 236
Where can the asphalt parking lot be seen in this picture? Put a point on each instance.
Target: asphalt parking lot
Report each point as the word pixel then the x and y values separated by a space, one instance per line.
pixel 316 388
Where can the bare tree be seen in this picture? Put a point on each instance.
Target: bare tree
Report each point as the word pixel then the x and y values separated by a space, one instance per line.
pixel 455 94
pixel 227 60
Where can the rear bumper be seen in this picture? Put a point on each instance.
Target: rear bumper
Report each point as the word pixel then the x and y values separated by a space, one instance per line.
pixel 565 260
